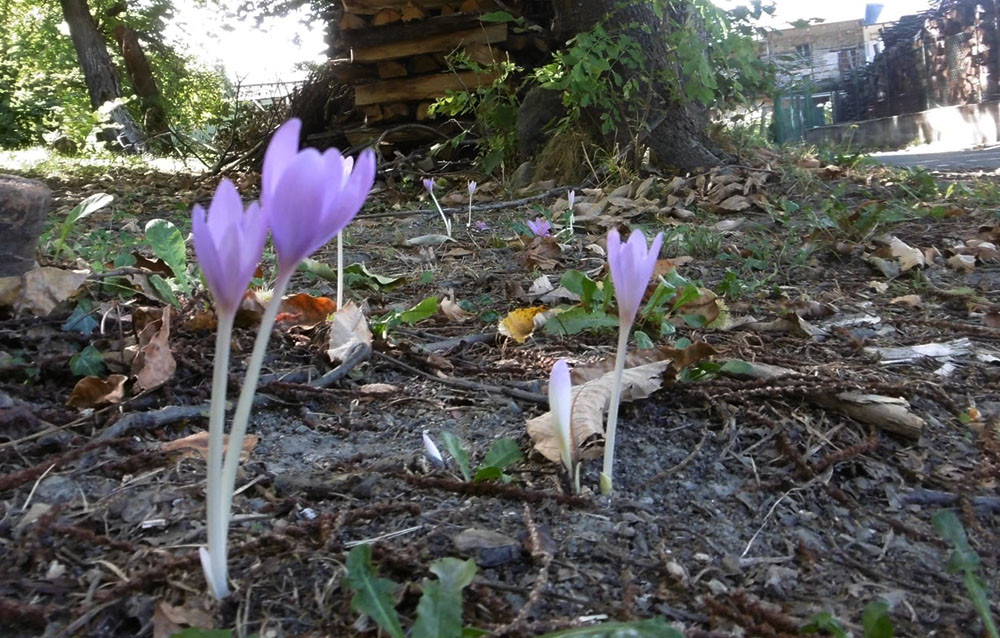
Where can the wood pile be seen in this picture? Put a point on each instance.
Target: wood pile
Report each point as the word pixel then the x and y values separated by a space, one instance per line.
pixel 394 55
pixel 944 57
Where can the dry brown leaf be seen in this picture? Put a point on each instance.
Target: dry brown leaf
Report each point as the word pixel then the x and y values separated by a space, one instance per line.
pixel 46 287
pixel 590 402
pixel 910 301
pixel 519 324
pixel 348 327
pixel 91 392
pixel 154 364
pixel 197 443
pixel 169 620
pixel 454 312
pixel 736 203
pixel 695 353
pixel 664 266
pixel 907 256
pixel 965 263
pixel 542 253
pixel 305 310
pixel 706 305
pixel 809 309
pixel 10 290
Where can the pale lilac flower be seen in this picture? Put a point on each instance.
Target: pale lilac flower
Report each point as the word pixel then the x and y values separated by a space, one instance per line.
pixel 561 406
pixel 482 226
pixel 309 197
pixel 540 227
pixel 631 267
pixel 472 187
pixel 432 452
pixel 429 184
pixel 228 244
pixel 570 198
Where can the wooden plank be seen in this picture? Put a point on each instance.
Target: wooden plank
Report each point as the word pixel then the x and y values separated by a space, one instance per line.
pixel 372 7
pixel 445 42
pixel 423 87
pixel 386 16
pixel 352 21
pixel 425 63
pixel 391 69
pixel 392 33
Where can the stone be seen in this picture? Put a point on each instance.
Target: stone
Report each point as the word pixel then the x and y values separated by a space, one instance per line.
pixel 24 204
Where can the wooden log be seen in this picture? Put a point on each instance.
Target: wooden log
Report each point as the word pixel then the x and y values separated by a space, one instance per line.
pixel 347 72
pixel 391 69
pixel 469 6
pixel 352 21
pixel 446 10
pixel 420 64
pixel 372 113
pixel 386 16
pixel 419 88
pixel 395 111
pixel 483 53
pixel 412 12
pixel 371 7
pixel 423 111
pixel 443 42
pixel 390 34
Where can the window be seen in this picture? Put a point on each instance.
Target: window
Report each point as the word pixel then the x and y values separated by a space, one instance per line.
pixel 804 52
pixel 847 59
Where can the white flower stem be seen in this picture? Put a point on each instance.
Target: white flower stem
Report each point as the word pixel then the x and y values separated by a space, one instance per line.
pixel 447 223
pixel 340 270
pixel 469 223
pixel 616 395
pixel 216 524
pixel 242 415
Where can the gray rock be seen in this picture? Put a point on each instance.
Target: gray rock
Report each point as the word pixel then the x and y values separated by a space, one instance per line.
pixel 24 204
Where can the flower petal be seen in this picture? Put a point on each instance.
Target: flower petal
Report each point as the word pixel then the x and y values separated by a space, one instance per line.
pixel 561 406
pixel 281 150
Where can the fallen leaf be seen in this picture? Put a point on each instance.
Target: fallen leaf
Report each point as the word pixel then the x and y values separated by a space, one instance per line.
pixel 695 353
pixel 348 328
pixel 907 256
pixel 910 301
pixel 305 310
pixel 542 253
pixel 519 324
pixel 427 240
pixel 965 263
pixel 154 364
pixel 590 402
pixel 736 203
pixel 450 309
pixel 197 443
pixel 10 290
pixel 201 321
pixel 47 287
pixel 169 620
pixel 540 286
pixel 92 392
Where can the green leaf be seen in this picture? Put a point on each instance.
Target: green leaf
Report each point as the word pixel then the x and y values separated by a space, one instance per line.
pixel 454 446
pixel 163 288
pixel 497 16
pixel 89 362
pixel 354 274
pixel 736 366
pixel 439 612
pixel 502 454
pixel 876 621
pixel 963 558
pixel 372 596
pixel 580 284
pixel 168 245
pixel 88 207
pixel 642 340
pixel 194 632
pixel 980 601
pixel 489 473
pixel 426 308
pixel 826 623
pixel 652 628
pixel 578 319
pixel 82 319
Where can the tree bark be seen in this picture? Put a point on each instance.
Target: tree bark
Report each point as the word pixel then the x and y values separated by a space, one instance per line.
pixel 674 130
pixel 99 73
pixel 140 73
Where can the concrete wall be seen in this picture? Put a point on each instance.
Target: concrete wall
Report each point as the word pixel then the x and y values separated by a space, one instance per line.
pixel 966 125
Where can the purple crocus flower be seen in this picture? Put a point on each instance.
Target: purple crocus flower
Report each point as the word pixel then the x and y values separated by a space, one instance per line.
pixel 429 184
pixel 472 187
pixel 570 199
pixel 309 197
pixel 482 226
pixel 228 242
pixel 631 267
pixel 540 227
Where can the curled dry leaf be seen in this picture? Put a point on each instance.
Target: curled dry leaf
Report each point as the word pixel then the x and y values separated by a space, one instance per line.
pixel 454 312
pixel 46 287
pixel 965 263
pixel 907 256
pixel 305 311
pixel 910 301
pixel 154 364
pixel 590 401
pixel 348 327
pixel 92 392
pixel 169 620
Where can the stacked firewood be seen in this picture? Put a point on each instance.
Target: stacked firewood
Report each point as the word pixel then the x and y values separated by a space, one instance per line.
pixel 395 54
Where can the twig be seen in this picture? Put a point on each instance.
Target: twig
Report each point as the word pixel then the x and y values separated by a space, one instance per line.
pixel 469 385
pixel 454 342
pixel 477 208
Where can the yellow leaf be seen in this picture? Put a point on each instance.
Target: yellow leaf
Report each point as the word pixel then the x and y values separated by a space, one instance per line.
pixel 520 324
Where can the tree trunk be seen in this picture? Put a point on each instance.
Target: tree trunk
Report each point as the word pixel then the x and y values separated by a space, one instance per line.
pixel 675 131
pixel 140 73
pixel 102 84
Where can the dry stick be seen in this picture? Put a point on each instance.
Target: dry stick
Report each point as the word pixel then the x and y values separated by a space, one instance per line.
pixel 478 207
pixel 469 385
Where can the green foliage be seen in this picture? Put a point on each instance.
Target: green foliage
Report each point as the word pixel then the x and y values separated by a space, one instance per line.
pixel 876 622
pixel 439 612
pixel 501 455
pixel 423 310
pixel 454 446
pixel 87 207
pixel 194 632
pixel 965 560
pixel 87 362
pixel 167 243
pixel 372 596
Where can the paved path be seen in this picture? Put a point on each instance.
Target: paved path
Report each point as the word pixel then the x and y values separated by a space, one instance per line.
pixel 986 158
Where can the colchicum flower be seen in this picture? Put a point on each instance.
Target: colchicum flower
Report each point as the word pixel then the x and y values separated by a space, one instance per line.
pixel 540 227
pixel 307 198
pixel 472 190
pixel 228 245
pixel 429 185
pixel 432 452
pixel 561 407
pixel 631 266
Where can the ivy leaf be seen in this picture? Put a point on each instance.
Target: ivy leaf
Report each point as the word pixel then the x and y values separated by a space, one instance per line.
pixel 89 362
pixel 454 446
pixel 372 596
pixel 439 612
